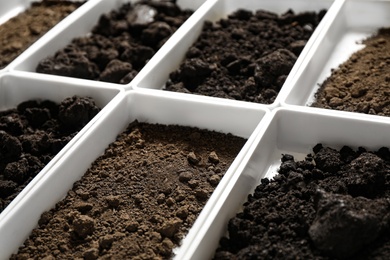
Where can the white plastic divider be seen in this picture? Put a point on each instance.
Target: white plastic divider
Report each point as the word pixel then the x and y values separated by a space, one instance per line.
pixel 145 106
pixel 19 87
pixel 353 22
pixel 292 131
pixel 80 24
pixel 168 58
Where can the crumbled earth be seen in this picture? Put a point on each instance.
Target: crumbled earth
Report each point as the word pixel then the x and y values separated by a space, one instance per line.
pixel 120 44
pixel 139 199
pixel 18 33
pixel 332 205
pixel 246 56
pixel 32 134
pixel 361 84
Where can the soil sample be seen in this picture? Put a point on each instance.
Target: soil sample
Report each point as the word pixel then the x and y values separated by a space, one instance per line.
pixel 21 31
pixel 139 199
pixel 361 84
pixel 332 205
pixel 246 56
pixel 32 134
pixel 120 44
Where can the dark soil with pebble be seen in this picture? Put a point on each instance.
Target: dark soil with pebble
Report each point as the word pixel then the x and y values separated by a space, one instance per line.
pixel 32 134
pixel 246 56
pixel 332 205
pixel 120 44
pixel 18 33
pixel 139 199
pixel 361 84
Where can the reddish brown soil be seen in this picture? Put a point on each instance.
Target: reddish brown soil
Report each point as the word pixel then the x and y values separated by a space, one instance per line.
pixel 361 84
pixel 18 33
pixel 139 199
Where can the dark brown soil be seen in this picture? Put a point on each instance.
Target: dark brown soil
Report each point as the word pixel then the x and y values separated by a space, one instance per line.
pixel 18 33
pixel 32 134
pixel 361 84
pixel 332 205
pixel 246 56
pixel 139 199
pixel 121 43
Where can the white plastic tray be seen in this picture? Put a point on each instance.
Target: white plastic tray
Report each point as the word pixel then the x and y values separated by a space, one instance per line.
pixel 156 71
pixel 145 106
pixel 293 131
pixel 78 25
pixel 18 87
pixel 352 23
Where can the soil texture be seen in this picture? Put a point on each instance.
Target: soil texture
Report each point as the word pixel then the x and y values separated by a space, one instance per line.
pixel 332 205
pixel 120 44
pixel 32 134
pixel 21 31
pixel 139 199
pixel 361 84
pixel 246 56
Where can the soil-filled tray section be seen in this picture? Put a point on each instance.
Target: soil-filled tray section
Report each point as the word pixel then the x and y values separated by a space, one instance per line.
pixel 245 56
pixel 18 33
pixel 331 205
pixel 120 44
pixel 361 84
pixel 138 199
pixel 32 134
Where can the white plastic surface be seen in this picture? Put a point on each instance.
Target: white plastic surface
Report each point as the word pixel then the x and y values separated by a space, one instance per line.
pixel 17 87
pixel 291 131
pixel 353 22
pixel 156 72
pixel 79 25
pixel 145 106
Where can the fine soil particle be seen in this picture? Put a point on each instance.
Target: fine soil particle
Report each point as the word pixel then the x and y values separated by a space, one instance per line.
pixel 120 44
pixel 361 84
pixel 246 56
pixel 18 33
pixel 139 199
pixel 332 205
pixel 32 134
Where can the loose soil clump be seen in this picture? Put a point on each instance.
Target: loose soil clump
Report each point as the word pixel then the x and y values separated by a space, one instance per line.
pixel 332 205
pixel 32 134
pixel 21 31
pixel 246 56
pixel 120 44
pixel 361 84
pixel 139 199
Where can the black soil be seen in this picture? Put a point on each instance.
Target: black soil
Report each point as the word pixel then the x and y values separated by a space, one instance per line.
pixel 120 44
pixel 246 56
pixel 32 134
pixel 332 205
